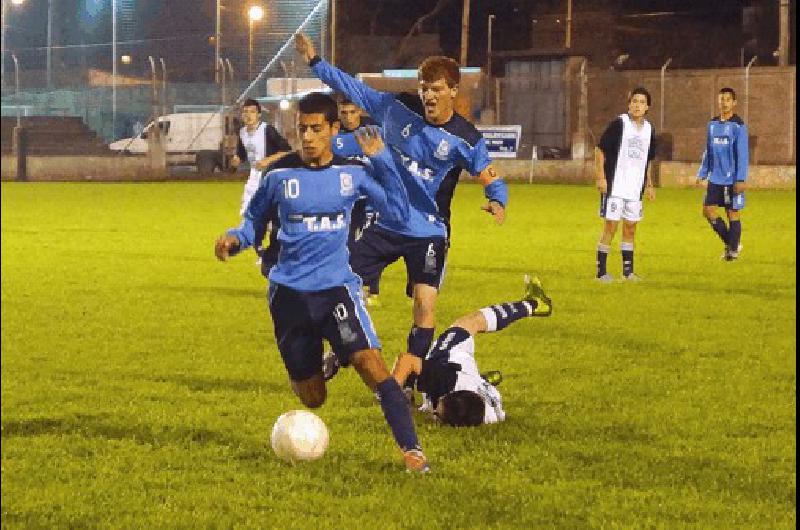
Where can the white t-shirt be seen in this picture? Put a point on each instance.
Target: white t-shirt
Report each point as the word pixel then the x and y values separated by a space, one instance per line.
pixel 255 145
pixel 632 159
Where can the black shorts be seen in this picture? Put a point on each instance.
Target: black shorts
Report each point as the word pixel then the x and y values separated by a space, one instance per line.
pixel 303 319
pixel 721 195
pixel 425 258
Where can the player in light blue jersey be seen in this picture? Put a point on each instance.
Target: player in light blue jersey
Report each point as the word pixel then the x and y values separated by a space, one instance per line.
pixel 345 145
pixel 313 293
pixel 724 164
pixel 427 139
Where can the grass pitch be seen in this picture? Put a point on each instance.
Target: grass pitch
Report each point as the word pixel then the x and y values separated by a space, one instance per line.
pixel 140 378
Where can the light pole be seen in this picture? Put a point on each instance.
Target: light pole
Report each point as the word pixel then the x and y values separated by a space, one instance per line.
pixel 254 14
pixel 3 36
pixel 216 41
pixel 49 43
pixel 489 48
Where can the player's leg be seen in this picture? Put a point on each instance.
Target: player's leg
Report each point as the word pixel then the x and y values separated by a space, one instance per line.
pixel 425 264
pixel 350 331
pixel 631 215
pixel 734 234
pixel 626 247
pixel 299 344
pixel 611 213
pixel 715 197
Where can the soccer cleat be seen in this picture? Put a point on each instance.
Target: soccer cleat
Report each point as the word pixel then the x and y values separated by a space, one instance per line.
pixel 493 377
pixel 330 365
pixel 731 255
pixel 632 278
pixel 534 292
pixel 605 278
pixel 415 461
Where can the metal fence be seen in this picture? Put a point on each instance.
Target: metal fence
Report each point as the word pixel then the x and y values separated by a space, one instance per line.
pixel 563 108
pixel 119 65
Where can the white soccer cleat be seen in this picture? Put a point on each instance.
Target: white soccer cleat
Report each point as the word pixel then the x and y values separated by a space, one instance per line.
pixel 605 278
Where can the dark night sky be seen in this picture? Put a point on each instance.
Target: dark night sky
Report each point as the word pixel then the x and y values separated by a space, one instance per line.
pixel 187 24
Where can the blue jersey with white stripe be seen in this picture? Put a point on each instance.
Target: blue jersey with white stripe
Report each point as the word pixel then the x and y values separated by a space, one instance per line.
pixel 314 207
pixel 726 157
pixel 423 153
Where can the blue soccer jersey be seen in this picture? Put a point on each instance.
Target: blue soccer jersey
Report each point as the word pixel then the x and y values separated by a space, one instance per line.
pixel 423 153
pixel 314 207
pixel 726 157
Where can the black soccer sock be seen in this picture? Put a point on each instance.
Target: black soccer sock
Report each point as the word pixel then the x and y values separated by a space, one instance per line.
pixel 602 258
pixel 501 315
pixel 397 413
pixel 734 236
pixel 627 258
pixel 419 341
pixel 720 228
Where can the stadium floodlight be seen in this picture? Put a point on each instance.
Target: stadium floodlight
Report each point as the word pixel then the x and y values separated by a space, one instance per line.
pixel 17 2
pixel 254 14
pixel 284 104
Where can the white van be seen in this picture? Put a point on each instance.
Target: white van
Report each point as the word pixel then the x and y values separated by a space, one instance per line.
pixel 190 138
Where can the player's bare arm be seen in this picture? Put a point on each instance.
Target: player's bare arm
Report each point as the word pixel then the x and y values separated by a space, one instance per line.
pixel 265 162
pixel 498 211
pixel 406 365
pixel 739 187
pixel 224 245
pixel 304 46
pixel 599 171
pixel 649 189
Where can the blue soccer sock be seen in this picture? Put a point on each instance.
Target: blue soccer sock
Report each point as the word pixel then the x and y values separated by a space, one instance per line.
pixel 419 341
pixel 602 258
pixel 627 258
pixel 720 228
pixel 397 413
pixel 502 315
pixel 734 235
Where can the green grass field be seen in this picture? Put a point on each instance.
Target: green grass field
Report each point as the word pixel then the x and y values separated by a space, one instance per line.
pixel 140 378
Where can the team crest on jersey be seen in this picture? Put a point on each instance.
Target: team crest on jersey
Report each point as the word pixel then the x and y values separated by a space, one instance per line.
pixel 346 184
pixel 443 151
pixel 406 132
pixel 635 148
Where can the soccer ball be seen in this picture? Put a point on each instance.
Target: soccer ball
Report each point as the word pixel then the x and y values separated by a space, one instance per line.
pixel 299 435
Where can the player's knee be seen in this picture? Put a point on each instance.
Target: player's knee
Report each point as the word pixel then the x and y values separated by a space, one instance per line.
pixel 370 366
pixel 311 394
pixel 709 213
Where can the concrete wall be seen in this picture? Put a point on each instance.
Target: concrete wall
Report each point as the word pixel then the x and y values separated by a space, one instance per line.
pixel 666 174
pixel 83 168
pixel 690 98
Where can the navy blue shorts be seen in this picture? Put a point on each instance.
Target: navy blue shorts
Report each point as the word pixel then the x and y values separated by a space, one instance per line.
pixel 425 258
pixel 303 319
pixel 720 195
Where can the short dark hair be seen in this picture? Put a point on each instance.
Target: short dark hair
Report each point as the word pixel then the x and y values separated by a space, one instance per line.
pixel 439 67
pixel 252 103
pixel 728 90
pixel 319 103
pixel 341 99
pixel 462 408
pixel 643 91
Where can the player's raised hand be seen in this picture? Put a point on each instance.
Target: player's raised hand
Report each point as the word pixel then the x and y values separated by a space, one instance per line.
pixel 497 211
pixel 304 46
pixel 369 139
pixel 224 245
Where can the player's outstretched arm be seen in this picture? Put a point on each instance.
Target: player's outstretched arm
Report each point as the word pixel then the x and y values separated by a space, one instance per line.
pixel 406 365
pixel 366 97
pixel 390 197
pixel 496 191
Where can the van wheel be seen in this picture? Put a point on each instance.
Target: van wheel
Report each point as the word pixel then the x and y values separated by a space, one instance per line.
pixel 206 162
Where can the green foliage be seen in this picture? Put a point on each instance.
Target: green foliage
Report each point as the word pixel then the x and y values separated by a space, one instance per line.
pixel 140 377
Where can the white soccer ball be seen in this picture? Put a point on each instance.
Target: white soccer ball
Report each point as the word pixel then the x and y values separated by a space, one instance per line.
pixel 299 435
